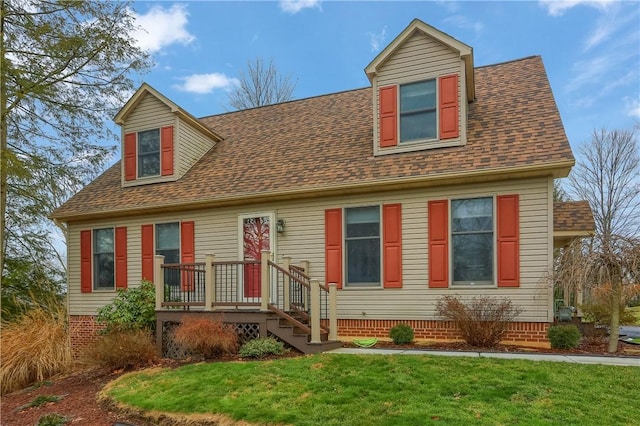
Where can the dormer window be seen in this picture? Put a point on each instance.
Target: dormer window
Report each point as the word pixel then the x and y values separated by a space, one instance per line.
pixel 149 153
pixel 418 111
pixel 422 111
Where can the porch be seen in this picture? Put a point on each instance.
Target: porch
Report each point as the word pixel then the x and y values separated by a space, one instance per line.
pixel 296 309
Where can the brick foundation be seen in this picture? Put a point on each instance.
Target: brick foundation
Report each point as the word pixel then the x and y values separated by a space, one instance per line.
pixel 523 333
pixel 83 331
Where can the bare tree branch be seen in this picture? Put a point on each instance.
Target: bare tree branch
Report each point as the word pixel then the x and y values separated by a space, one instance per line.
pixel 261 85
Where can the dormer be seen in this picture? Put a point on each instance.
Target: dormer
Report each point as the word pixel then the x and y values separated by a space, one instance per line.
pixel 422 84
pixel 160 141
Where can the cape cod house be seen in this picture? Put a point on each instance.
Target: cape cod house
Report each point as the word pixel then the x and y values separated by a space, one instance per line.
pixel 339 215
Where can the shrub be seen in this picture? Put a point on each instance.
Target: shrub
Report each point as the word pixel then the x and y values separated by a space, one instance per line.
pixel 122 349
pixel 483 321
pixel 564 336
pixel 132 309
pixel 401 334
pixel 206 337
pixel 33 347
pixel 259 348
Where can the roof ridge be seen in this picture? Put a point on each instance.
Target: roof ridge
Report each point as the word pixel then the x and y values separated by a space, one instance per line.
pixel 286 102
pixel 509 61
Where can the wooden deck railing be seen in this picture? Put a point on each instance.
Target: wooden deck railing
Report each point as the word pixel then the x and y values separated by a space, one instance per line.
pixel 213 285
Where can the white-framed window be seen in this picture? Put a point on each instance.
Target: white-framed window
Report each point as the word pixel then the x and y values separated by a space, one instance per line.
pixel 362 246
pixel 418 111
pixel 472 241
pixel 149 153
pixel 103 259
pixel 168 245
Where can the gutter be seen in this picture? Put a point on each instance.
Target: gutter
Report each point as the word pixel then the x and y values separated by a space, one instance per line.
pixel 560 169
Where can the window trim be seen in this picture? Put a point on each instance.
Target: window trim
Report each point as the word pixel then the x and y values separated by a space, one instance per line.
pixel 345 265
pixel 494 241
pixel 138 153
pixel 418 111
pixel 94 263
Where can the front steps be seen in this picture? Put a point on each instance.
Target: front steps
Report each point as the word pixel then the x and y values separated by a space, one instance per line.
pixel 297 337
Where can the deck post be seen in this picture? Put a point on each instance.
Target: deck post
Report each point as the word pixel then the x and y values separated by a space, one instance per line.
pixel 315 311
pixel 265 256
pixel 158 279
pixel 209 281
pixel 305 265
pixel 286 262
pixel 333 314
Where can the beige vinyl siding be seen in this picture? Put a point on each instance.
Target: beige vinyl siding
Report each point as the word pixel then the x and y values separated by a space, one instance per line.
pixel 150 113
pixel 303 239
pixel 191 146
pixel 420 58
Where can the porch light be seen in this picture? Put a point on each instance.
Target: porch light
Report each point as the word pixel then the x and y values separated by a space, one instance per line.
pixel 280 225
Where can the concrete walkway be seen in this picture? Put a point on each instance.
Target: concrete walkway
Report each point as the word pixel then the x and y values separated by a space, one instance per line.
pixel 576 359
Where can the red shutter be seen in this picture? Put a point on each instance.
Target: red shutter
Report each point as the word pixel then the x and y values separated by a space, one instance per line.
pixel 392 245
pixel 166 151
pixel 439 244
pixel 130 156
pixel 333 246
pixel 121 257
pixel 388 99
pixel 449 110
pixel 85 262
pixel 187 250
pixel 148 252
pixel 508 240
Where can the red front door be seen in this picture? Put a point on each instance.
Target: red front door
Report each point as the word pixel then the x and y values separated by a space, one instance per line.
pixel 256 236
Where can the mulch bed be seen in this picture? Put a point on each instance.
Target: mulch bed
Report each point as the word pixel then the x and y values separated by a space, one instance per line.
pixel 80 389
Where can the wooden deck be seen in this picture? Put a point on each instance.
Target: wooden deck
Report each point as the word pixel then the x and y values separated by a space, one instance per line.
pixel 295 309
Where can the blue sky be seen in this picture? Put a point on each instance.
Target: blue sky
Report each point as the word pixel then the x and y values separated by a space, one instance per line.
pixel 591 50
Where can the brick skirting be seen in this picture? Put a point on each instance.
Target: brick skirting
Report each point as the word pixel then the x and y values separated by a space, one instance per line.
pixel 83 331
pixel 525 333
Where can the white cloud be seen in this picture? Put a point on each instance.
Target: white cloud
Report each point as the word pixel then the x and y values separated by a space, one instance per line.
pixel 295 6
pixel 465 23
pixel 632 107
pixel 558 7
pixel 206 83
pixel 161 27
pixel 376 40
pixel 590 71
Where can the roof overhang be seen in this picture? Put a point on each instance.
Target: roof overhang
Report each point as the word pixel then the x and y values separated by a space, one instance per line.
pixel 144 90
pixel 392 184
pixel 465 52
pixel 564 238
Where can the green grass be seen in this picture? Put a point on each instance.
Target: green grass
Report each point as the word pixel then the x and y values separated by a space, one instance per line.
pixel 331 389
pixel 636 313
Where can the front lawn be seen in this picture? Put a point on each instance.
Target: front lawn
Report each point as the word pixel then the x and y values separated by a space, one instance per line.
pixel 332 389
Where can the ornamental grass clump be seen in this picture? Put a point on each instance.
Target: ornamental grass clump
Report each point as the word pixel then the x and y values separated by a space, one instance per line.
pixel 401 334
pixel 564 336
pixel 206 337
pixel 34 347
pixel 483 321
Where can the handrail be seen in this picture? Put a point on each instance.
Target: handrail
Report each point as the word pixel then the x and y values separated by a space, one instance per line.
pixel 284 289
